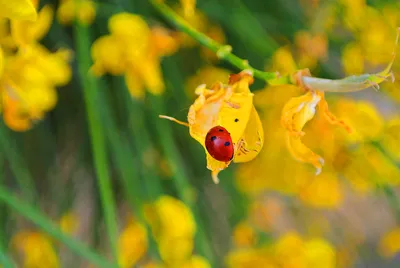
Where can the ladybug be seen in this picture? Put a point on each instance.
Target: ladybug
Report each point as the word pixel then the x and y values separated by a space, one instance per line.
pixel 219 144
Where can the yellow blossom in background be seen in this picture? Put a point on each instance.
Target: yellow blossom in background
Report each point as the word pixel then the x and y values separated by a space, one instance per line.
pixel 35 249
pixel 69 223
pixel 208 75
pixel 244 235
pixel 362 117
pixel 353 59
pixel 135 50
pixel 311 48
pixel 292 251
pixel 28 84
pixel 178 232
pixel 323 191
pixel 132 244
pixel 390 139
pixel 196 262
pixel 248 258
pixel 389 245
pixel 82 10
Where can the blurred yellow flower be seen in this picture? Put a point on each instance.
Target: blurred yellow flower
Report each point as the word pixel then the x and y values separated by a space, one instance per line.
pixel 35 250
pixel 196 262
pixel 362 117
pixel 135 50
pixel 132 244
pixel 323 192
pixel 247 258
pixel 291 251
pixel 82 10
pixel 353 59
pixel 208 75
pixel 391 138
pixel 26 32
pixel 178 232
pixel 244 235
pixel 18 10
pixel 27 86
pixel 229 106
pixel 389 245
pixel 69 223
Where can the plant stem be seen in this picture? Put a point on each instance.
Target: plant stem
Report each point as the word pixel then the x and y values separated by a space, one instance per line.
pixel 18 166
pixel 97 134
pixel 223 51
pixel 47 226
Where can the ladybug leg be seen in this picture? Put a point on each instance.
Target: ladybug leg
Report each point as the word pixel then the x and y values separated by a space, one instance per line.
pixel 174 120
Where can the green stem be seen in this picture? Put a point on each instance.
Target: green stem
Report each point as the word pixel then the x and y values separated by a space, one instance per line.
pixel 18 166
pixel 223 51
pixel 97 134
pixel 47 226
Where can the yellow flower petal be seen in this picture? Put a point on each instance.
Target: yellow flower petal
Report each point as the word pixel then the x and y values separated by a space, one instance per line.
pixel 323 192
pixel 196 262
pixel 132 244
pixel 391 138
pixel 177 254
pixel 18 9
pixel 135 85
pixel 108 56
pixel 389 245
pixel 36 249
pixel 319 253
pixel 26 32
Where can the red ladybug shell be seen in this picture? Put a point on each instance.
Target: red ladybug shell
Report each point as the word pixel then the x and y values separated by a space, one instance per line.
pixel 219 144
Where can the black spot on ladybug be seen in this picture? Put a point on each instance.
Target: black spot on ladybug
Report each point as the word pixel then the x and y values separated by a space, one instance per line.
pixel 227 143
pixel 213 138
pixel 236 120
pixel 220 130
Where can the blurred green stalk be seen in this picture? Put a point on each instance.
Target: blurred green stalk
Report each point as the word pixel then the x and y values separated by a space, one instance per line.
pixel 97 135
pixel 48 226
pixel 223 51
pixel 4 259
pixel 17 165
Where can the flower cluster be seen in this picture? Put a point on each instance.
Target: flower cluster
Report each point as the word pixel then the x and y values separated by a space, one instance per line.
pixel 30 72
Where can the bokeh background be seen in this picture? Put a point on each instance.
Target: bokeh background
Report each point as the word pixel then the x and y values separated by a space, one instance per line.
pixel 84 156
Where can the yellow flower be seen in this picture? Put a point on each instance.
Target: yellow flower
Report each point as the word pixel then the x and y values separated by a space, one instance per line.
pixel 135 50
pixel 82 10
pixel 178 232
pixel 389 245
pixel 132 244
pixel 362 117
pixel 208 75
pixel 27 86
pixel 244 235
pixel 291 250
pixel 35 249
pixel 69 223
pixel 296 113
pixel 229 106
pixel 18 10
pixel 319 253
pixel 177 254
pixel 324 191
pixel 247 258
pixel 196 262
pixel 26 32
pixel 391 138
pixel 353 59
